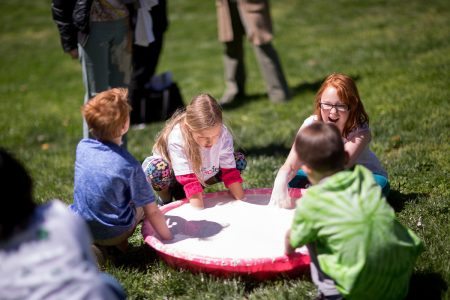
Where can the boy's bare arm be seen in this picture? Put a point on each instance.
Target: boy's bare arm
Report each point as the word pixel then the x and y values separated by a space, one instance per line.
pixel 288 249
pixel 157 220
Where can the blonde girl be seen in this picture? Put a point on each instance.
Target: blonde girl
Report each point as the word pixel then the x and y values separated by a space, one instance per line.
pixel 337 102
pixel 193 150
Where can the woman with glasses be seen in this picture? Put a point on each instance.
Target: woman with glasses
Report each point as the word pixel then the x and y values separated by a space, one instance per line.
pixel 336 102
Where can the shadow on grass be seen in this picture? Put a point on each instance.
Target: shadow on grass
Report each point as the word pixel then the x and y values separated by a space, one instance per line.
pixel 138 258
pixel 273 149
pixel 295 90
pixel 251 284
pixel 398 200
pixel 305 86
pixel 242 100
pixel 429 286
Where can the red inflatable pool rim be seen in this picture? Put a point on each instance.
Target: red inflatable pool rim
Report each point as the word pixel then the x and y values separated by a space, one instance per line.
pixel 260 268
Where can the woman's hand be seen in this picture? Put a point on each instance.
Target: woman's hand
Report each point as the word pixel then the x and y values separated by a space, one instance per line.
pixel 280 192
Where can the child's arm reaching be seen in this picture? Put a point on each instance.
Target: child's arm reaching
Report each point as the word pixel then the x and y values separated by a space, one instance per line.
pixel 233 181
pixel 280 195
pixel 355 145
pixel 196 200
pixel 237 191
pixel 157 220
pixel 280 192
pixel 192 188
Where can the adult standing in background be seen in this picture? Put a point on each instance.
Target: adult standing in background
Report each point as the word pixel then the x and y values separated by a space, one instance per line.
pixel 145 56
pixel 98 33
pixel 237 18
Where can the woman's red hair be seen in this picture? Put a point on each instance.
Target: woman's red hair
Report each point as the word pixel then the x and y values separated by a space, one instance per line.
pixel 348 94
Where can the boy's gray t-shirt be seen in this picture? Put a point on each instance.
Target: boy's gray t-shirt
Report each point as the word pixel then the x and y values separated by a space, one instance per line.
pixel 51 259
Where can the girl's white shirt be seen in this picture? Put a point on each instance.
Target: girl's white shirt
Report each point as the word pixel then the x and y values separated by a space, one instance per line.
pixel 220 155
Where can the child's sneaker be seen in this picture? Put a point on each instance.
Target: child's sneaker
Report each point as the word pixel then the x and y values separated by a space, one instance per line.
pixel 159 201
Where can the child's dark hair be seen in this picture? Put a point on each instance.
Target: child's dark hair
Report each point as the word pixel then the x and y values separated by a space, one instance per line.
pixel 16 187
pixel 320 147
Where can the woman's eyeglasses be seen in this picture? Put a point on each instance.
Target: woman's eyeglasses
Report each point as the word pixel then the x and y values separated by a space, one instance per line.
pixel 329 106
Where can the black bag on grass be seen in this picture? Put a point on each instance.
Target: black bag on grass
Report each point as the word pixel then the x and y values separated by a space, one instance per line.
pixel 161 99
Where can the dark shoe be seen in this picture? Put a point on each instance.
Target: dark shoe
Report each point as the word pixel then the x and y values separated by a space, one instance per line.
pixel 161 202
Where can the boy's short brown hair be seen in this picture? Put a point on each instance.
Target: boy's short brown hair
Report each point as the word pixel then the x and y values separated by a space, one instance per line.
pixel 320 147
pixel 107 113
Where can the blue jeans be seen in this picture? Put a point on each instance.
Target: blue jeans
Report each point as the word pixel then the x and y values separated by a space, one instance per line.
pixel 105 59
pixel 114 285
pixel 301 181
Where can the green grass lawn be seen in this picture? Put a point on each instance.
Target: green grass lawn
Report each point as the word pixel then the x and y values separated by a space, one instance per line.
pixel 398 52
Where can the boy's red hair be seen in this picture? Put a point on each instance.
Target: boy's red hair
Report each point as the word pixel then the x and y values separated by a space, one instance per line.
pixel 107 113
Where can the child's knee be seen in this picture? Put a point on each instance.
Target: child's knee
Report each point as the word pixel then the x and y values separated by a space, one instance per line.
pixel 300 180
pixel 158 172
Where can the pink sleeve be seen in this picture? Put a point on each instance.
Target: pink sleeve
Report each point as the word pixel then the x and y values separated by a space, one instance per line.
pixel 190 184
pixel 230 176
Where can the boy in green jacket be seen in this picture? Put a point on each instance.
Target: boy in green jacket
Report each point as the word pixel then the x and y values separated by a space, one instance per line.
pixel 358 249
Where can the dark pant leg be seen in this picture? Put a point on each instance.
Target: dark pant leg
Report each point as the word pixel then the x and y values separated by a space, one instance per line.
pixel 145 61
pixel 326 286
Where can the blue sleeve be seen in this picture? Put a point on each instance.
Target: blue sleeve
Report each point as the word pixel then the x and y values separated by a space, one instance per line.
pixel 141 192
